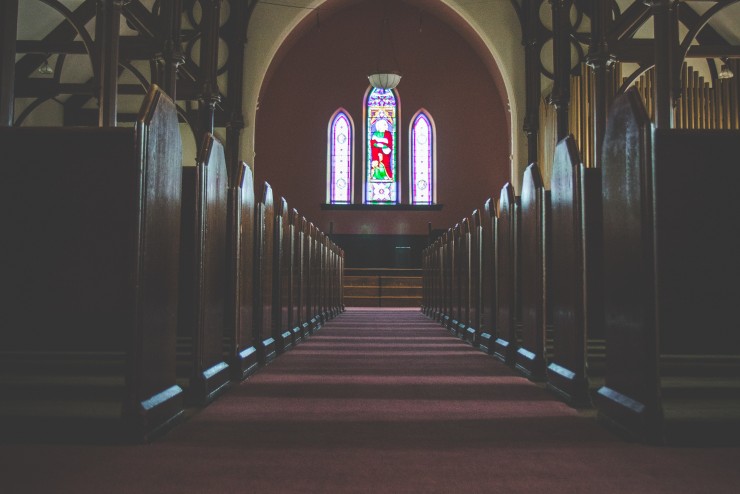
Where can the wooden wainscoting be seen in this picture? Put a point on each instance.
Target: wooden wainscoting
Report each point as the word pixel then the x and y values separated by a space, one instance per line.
pixel 382 287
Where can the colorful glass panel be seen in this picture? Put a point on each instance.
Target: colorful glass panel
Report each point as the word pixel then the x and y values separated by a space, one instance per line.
pixel 422 156
pixel 381 179
pixel 340 160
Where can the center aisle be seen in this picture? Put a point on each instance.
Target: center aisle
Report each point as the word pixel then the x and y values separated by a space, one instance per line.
pixel 384 401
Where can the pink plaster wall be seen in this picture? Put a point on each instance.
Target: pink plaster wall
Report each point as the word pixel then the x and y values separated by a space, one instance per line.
pixel 326 68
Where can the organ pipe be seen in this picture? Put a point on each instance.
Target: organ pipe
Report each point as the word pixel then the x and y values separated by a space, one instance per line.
pixel 701 104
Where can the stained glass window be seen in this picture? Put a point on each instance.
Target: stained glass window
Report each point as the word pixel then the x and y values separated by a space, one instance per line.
pixel 340 159
pixel 422 159
pixel 381 178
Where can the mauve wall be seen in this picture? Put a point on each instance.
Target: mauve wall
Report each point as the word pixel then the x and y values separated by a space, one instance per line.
pixel 326 69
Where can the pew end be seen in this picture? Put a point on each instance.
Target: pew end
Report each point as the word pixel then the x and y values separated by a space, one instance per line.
pixel 669 290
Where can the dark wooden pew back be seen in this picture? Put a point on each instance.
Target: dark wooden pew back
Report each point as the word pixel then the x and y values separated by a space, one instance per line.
pixel 489 272
pixel 465 279
pixel 508 275
pixel 307 275
pixel 283 257
pixel 669 265
pixel 575 274
pixel 243 352
pixel 265 275
pixel 476 277
pixel 296 232
pixel 530 357
pixel 203 283
pixel 90 256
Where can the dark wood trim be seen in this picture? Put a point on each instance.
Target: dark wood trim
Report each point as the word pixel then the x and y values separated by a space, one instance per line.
pixel 8 24
pixel 562 63
pixel 209 96
pixel 627 24
pixel 107 32
pixel 531 28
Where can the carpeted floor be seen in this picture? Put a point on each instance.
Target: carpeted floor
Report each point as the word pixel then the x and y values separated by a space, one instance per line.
pixel 379 401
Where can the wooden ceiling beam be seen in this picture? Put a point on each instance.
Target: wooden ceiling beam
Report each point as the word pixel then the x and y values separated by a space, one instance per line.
pixel 131 47
pixel 37 87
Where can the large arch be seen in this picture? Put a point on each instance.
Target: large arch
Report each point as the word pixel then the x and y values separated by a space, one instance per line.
pixel 491 28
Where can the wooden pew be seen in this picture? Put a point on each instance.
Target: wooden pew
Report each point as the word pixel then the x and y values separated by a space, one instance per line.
pixel 341 280
pixel 575 273
pixel 464 279
pixel 426 280
pixel 283 258
pixel 453 287
pixel 265 276
pixel 439 277
pixel 296 232
pixel 242 350
pixel 448 275
pixel 530 356
pixel 202 314
pixel 429 280
pixel 508 290
pixel 489 272
pixel 306 325
pixel 313 281
pixel 90 273
pixel 333 272
pixel 670 280
pixel 338 279
pixel 476 279
pixel 442 267
pixel 331 278
pixel 322 267
pixel 328 281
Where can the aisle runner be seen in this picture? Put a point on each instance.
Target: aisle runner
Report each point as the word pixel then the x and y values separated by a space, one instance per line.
pixel 379 401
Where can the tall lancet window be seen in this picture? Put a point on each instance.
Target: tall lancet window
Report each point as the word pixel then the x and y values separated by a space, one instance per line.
pixel 422 149
pixel 339 173
pixel 381 177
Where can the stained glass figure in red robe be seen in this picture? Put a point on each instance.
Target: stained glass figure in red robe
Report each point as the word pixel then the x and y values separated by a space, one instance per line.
pixel 381 146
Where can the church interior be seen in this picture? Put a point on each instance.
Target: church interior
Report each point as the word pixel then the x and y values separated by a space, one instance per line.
pixel 370 246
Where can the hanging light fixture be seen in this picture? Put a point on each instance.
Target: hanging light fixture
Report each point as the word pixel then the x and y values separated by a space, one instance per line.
pixel 725 72
pixel 45 68
pixel 384 78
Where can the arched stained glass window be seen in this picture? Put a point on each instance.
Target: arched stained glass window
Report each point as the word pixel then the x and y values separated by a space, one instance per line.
pixel 339 186
pixel 381 177
pixel 423 186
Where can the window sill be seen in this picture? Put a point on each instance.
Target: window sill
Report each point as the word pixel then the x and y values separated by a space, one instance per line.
pixel 382 207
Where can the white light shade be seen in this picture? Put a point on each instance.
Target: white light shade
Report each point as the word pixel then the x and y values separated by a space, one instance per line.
pixel 725 73
pixel 386 80
pixel 45 69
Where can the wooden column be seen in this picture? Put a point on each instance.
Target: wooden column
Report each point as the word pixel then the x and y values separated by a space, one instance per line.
pixel 209 95
pixel 601 62
pixel 171 57
pixel 561 56
pixel 237 39
pixel 9 26
pixel 664 54
pixel 532 76
pixel 107 33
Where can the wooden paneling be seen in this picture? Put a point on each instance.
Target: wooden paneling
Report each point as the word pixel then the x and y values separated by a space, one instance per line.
pixel 508 276
pixel 242 350
pixel 203 285
pixel 530 356
pixel 264 275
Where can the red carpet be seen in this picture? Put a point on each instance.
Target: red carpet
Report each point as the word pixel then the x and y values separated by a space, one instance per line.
pixel 379 401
